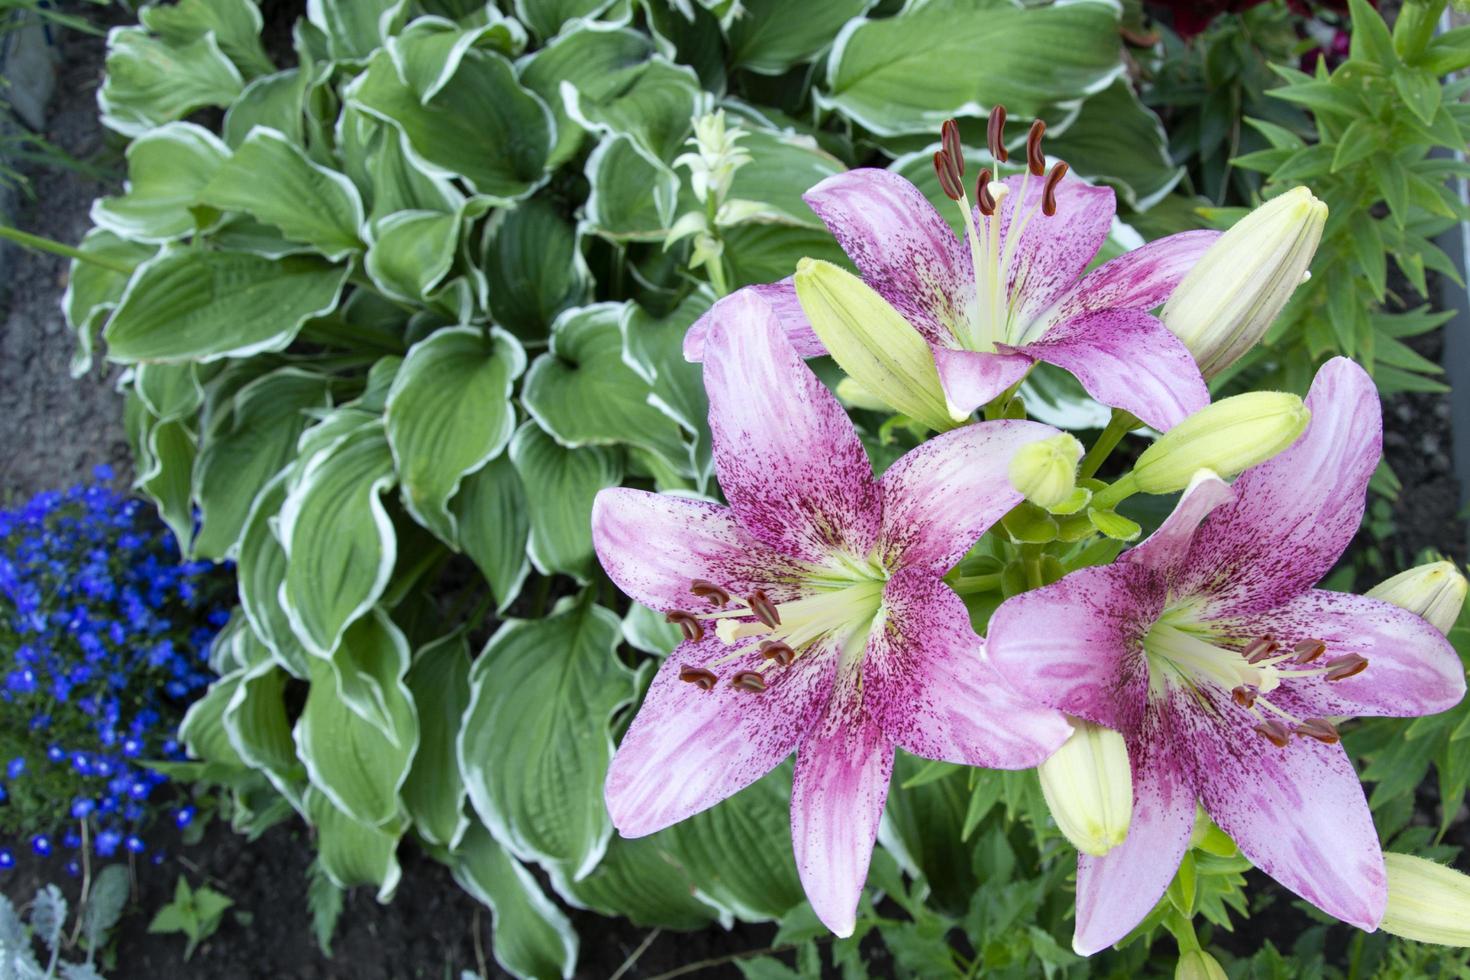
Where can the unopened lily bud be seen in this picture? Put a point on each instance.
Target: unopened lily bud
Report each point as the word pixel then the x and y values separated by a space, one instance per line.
pixel 1199 965
pixel 1426 901
pixel 1045 471
pixel 1089 788
pixel 1229 299
pixel 872 342
pixel 1435 591
pixel 1227 437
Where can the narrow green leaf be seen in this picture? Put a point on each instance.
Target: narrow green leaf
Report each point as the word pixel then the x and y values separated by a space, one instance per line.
pixel 560 486
pixel 434 792
pixel 494 526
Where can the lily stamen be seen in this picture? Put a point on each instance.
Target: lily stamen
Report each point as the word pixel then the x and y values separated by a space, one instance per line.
pixel 688 624
pixel 1035 159
pixel 705 589
pixel 698 676
pixel 995 134
pixel 749 680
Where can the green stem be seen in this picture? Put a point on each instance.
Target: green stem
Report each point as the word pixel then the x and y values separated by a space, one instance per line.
pixel 998 405
pixel 1111 496
pixel 1031 561
pixel 1118 426
pixel 39 244
pixel 1183 931
pixel 973 584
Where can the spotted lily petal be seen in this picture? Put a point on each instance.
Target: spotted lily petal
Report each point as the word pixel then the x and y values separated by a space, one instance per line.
pixel 781 297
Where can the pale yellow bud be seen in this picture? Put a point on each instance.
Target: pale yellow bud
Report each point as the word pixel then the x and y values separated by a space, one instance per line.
pixel 1199 965
pixel 1045 471
pixel 1435 591
pixel 1426 901
pixel 872 342
pixel 1089 788
pixel 1227 437
pixel 1227 302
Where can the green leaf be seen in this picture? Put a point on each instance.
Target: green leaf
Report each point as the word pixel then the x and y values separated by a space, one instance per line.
pixel 191 304
pixel 412 252
pixel 92 291
pixel 165 475
pixel 1113 524
pixel 555 718
pixel 1371 40
pixel 639 879
pixel 1363 138
pixel 434 792
pixel 324 899
pixel 783 167
pixel 448 414
pixel 910 72
pixel 260 571
pixel 306 201
pixel 353 853
pixel 583 394
pixel 355 29
pixel 765 253
pixel 235 24
pixel 481 126
pixel 770 36
pixel 105 903
pixel 654 348
pixel 271 101
pixel 531 937
pixel 258 728
pixel 167 169
pixel 597 60
pixel 150 81
pixel 534 268
pixel 560 486
pixel 1420 91
pixel 1118 140
pixel 653 108
pixel 428 52
pixel 360 764
pixel 924 830
pixel 494 526
pixel 170 391
pixel 546 17
pixel 339 541
pixel 632 198
pixel 203 729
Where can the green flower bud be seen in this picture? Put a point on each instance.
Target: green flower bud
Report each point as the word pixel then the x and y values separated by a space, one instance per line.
pixel 1045 471
pixel 1089 788
pixel 1227 302
pixel 1199 965
pixel 872 342
pixel 1426 901
pixel 1435 591
pixel 1227 437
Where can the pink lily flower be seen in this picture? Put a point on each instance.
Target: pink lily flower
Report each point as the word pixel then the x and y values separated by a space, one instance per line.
pixel 815 614
pixel 1010 294
pixel 1208 649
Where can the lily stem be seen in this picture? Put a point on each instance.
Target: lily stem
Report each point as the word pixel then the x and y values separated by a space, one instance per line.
pixel 1031 561
pixel 1118 426
pixel 971 584
pixel 39 244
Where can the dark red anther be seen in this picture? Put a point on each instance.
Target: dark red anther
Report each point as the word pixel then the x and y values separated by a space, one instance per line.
pixel 705 589
pixel 1244 695
pixel 1341 668
pixel 778 651
pixel 1035 159
pixel 1319 728
pixel 692 629
pixel 983 198
pixel 948 183
pixel 949 135
pixel 698 676
pixel 1306 651
pixel 764 609
pixel 995 134
pixel 1275 732
pixel 1261 648
pixel 749 680
pixel 1049 192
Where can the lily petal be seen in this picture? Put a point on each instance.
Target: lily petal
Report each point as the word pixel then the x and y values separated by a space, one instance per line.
pixel 971 379
pixel 941 497
pixel 1051 252
pixel 837 798
pixel 787 456
pixel 1138 280
pixel 929 688
pixel 1129 360
pixel 655 545
pixel 781 296
pixel 1164 551
pixel 688 748
pixel 1074 645
pixel 1116 891
pixel 1412 669
pixel 1296 513
pixel 1297 812
pixel 900 244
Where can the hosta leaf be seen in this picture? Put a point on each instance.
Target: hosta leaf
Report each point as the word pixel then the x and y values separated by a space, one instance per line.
pixel 555 720
pixel 596 60
pixel 765 253
pixel 306 201
pixel 355 28
pixel 150 81
pixel 434 792
pixel 910 72
pixel 166 477
pixel 360 765
pixel 272 101
pixel 397 185
pixel 582 393
pixel 412 252
pixel 481 126
pixel 260 732
pixel 534 268
pixel 546 17
pixel 337 535
pixel 494 526
pixel 92 291
pixel 1116 139
pixel 770 35
pixel 190 304
pixel 203 729
pixel 653 108
pixel 632 197
pixel 654 348
pixel 428 51
pixel 235 24
pixel 923 830
pixel 783 167
pixel 531 937
pixel 246 444
pixel 261 570
pixel 171 391
pixel 449 413
pixel 167 168
pixel 637 879
pixel 560 485
pixel 351 852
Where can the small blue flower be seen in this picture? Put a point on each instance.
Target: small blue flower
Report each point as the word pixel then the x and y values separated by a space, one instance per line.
pixel 7 859
pixel 107 843
pixel 41 844
pixel 74 869
pixel 15 768
pixel 184 816
pixel 82 807
pixel 55 753
pixel 135 844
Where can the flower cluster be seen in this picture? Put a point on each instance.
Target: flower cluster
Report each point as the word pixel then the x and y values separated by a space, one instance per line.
pixel 1198 676
pixel 106 635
